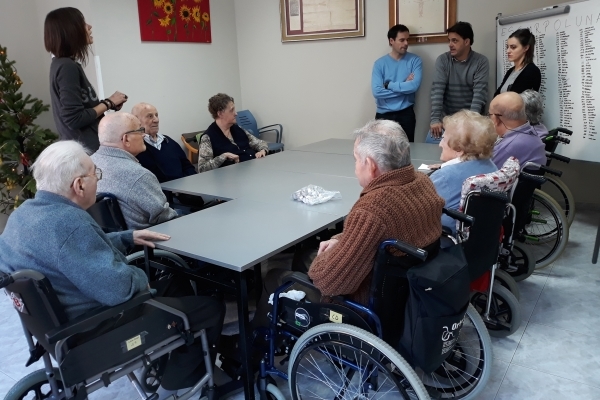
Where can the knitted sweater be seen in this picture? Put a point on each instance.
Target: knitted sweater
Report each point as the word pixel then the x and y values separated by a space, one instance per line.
pixel 168 163
pixel 139 194
pixel 459 85
pixel 400 204
pixel 73 101
pixel 86 267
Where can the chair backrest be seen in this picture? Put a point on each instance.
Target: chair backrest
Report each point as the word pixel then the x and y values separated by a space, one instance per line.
pixel 191 143
pixel 38 306
pixel 246 121
pixel 107 213
pixel 523 197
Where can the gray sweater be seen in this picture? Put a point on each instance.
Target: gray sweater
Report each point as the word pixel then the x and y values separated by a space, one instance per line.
pixel 73 101
pixel 139 194
pixel 85 266
pixel 459 85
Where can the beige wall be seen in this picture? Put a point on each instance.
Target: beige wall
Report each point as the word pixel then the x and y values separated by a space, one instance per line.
pixel 178 78
pixel 322 89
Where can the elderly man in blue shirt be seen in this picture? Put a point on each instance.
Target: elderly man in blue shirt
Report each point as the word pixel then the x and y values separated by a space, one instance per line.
pixel 517 138
pixel 395 80
pixel 54 235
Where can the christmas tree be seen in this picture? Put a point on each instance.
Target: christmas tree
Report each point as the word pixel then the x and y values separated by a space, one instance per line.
pixel 21 141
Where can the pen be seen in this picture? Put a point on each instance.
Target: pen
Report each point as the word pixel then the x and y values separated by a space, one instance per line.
pixel 549 8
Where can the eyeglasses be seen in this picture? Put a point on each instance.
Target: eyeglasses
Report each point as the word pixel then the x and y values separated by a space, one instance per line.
pixel 496 115
pixel 141 131
pixel 97 173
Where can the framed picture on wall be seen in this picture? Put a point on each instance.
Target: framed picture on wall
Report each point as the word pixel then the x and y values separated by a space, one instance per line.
pixel 175 21
pixel 427 20
pixel 318 19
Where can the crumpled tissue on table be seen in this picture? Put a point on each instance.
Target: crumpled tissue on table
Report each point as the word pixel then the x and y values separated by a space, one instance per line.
pixel 290 294
pixel 312 195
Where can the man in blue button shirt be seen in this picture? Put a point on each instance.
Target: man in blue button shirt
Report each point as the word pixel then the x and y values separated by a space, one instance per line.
pixel 395 80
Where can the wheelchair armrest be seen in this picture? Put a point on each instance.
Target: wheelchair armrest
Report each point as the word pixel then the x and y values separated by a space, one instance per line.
pixel 93 318
pixel 301 279
pixel 409 249
pixel 457 215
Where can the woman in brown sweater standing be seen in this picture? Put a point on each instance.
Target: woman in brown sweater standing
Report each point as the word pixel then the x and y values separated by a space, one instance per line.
pixel 396 203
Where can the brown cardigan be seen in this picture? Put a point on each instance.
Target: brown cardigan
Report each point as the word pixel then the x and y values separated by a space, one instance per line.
pixel 400 204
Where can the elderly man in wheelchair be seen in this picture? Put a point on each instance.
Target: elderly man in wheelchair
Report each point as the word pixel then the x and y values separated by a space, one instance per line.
pixel 381 318
pixel 83 305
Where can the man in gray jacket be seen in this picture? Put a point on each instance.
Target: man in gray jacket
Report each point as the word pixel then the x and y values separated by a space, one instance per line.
pixel 142 201
pixel 461 78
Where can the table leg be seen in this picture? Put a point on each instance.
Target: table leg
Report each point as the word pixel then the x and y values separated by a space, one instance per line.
pixel 245 334
pixel 596 246
pixel 258 284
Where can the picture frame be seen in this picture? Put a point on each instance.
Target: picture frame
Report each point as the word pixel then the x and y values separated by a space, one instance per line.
pixel 430 23
pixel 311 20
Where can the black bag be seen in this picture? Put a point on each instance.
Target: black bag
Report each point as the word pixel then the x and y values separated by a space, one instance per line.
pixel 436 306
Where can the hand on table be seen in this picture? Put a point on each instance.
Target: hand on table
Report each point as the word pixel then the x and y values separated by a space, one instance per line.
pixel 147 238
pixel 436 129
pixel 233 157
pixel 434 166
pixel 261 154
pixel 327 245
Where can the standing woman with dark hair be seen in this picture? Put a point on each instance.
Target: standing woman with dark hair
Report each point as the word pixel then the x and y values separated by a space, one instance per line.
pixel 75 105
pixel 524 74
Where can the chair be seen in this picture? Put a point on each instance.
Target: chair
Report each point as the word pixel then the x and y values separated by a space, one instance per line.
pixel 191 144
pixel 107 213
pixel 88 360
pixel 246 121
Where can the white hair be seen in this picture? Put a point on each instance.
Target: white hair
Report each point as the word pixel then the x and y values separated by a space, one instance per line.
pixel 534 105
pixel 385 143
pixel 58 165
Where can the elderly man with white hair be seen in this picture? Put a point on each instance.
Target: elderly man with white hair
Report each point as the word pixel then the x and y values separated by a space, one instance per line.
pixel 138 191
pixel 53 234
pixel 396 202
pixel 517 138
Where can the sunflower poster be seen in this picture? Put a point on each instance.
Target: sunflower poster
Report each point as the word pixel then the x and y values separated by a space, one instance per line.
pixel 174 20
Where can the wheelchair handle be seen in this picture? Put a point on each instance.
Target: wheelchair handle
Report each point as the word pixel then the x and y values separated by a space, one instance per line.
pixel 538 179
pixel 405 248
pixel 502 196
pixel 562 139
pixel 5 280
pixel 550 170
pixel 459 216
pixel 555 131
pixel 558 157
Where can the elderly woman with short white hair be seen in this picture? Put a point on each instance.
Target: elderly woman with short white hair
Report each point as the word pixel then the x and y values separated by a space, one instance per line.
pixel 534 109
pixel 467 145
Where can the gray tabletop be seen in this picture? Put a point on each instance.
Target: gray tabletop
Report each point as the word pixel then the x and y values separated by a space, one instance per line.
pixel 239 234
pixel 418 151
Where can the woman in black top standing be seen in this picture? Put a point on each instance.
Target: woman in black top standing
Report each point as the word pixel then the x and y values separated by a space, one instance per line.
pixel 524 74
pixel 75 105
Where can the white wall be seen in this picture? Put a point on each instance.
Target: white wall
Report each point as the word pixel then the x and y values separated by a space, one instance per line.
pixel 321 89
pixel 178 78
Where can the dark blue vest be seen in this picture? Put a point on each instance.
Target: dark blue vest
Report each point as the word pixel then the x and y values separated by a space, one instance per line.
pixel 221 144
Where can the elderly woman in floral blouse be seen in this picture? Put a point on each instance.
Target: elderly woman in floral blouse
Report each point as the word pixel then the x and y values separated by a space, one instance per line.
pixel 224 142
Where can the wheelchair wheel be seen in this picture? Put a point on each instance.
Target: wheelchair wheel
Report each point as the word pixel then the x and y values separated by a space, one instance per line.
pixel 345 362
pixel 561 193
pixel 34 386
pixel 162 256
pixel 466 372
pixel 505 311
pixel 547 234
pixel 522 263
pixel 151 375
pixel 504 279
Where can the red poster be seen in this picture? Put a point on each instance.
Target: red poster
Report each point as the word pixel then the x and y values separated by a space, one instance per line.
pixel 174 20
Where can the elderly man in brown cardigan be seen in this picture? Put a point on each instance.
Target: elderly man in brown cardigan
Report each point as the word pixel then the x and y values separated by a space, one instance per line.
pixel 396 203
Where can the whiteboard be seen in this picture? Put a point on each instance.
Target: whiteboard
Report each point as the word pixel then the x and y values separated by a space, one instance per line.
pixel 566 51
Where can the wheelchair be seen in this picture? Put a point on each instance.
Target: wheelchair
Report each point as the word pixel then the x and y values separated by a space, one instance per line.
pixel 345 350
pixel 555 187
pixel 540 224
pixel 87 362
pixel 494 292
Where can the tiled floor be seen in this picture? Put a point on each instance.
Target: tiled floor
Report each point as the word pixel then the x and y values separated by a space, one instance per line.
pixel 554 354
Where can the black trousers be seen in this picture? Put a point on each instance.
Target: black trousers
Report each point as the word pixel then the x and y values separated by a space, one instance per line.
pixel 406 118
